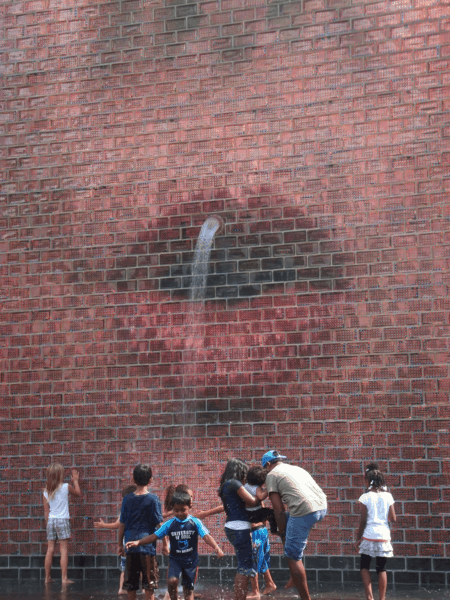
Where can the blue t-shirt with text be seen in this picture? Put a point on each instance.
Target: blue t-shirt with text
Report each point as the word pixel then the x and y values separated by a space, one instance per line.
pixel 183 536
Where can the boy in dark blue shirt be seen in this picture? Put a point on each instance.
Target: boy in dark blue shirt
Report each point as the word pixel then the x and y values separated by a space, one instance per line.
pixel 140 516
pixel 183 531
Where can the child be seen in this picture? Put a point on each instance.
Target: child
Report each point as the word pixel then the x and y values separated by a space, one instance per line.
pixel 56 510
pixel 167 508
pixel 100 524
pixel 374 536
pixel 183 531
pixel 256 477
pixel 170 490
pixel 140 516
pixel 168 512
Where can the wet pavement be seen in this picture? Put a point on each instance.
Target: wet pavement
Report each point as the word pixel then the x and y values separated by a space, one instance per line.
pixel 84 590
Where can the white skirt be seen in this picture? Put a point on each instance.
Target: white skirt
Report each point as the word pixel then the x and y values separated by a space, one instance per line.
pixel 375 549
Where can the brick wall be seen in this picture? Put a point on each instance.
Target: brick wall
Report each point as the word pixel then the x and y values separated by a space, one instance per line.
pixel 318 130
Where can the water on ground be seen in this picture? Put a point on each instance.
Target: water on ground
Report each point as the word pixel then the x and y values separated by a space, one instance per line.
pixel 83 590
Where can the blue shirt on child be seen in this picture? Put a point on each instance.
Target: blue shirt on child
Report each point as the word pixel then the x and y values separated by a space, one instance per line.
pixel 141 514
pixel 183 536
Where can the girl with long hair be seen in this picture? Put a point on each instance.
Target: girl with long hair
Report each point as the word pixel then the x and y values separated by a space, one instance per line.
pixel 56 510
pixel 235 498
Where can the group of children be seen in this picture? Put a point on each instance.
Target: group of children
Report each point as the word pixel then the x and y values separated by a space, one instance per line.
pixel 140 524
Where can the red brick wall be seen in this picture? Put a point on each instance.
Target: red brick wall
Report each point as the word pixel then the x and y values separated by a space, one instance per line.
pixel 319 131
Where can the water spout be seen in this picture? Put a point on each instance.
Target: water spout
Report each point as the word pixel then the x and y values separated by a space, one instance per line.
pixel 200 265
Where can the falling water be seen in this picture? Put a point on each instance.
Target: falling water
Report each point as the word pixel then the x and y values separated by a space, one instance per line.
pixel 202 252
pixel 194 351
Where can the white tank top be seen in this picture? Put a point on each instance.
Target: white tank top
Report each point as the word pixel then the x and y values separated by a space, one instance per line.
pixel 59 504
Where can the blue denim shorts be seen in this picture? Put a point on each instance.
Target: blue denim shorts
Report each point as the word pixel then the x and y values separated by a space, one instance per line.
pixel 297 531
pixel 241 540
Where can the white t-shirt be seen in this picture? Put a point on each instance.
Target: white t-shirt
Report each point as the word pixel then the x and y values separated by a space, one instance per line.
pixel 59 504
pixel 377 526
pixel 251 489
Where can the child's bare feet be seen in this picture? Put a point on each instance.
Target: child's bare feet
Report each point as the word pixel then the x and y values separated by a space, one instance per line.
pixel 290 584
pixel 66 581
pixel 253 596
pixel 269 589
pixel 49 580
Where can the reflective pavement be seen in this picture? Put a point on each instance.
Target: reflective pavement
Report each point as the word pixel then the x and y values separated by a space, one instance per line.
pixel 84 590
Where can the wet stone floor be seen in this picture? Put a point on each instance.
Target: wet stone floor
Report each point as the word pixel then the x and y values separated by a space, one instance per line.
pixel 83 590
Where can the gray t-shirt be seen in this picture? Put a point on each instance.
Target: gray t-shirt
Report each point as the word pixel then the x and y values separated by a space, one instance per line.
pixel 297 489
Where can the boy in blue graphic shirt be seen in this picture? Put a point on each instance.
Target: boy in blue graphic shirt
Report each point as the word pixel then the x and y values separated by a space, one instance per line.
pixel 183 531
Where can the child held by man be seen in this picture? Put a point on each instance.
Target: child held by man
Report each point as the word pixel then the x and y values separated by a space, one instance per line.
pixel 256 478
pixel 183 531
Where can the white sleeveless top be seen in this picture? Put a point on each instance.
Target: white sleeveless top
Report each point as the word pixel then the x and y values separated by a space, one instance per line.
pixel 59 504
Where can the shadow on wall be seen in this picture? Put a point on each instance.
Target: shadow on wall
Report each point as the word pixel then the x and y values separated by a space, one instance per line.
pixel 237 265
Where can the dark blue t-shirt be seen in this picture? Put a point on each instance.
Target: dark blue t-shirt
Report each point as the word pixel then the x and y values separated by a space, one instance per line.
pixel 141 515
pixel 233 504
pixel 183 536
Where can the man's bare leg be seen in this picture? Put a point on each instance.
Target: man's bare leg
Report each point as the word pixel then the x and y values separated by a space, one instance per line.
pixel 298 574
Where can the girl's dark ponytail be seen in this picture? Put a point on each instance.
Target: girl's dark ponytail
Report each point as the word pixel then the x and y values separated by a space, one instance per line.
pixel 375 479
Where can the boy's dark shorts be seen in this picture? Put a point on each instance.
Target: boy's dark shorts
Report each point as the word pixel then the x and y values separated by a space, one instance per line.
pixel 136 564
pixel 188 574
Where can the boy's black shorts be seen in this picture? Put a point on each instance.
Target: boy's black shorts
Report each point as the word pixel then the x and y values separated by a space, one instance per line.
pixel 136 564
pixel 261 515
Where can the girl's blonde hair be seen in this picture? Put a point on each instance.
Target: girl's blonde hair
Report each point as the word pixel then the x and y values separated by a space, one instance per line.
pixel 55 478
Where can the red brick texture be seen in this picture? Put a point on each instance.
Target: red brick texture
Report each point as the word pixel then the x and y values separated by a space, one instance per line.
pixel 319 131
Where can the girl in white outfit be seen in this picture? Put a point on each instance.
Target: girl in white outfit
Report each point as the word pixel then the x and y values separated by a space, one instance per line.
pixel 374 534
pixel 56 510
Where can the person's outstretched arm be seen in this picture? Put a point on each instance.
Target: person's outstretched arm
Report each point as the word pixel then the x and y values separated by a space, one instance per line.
pixel 100 524
pixel 208 538
pixel 208 513
pixel 148 539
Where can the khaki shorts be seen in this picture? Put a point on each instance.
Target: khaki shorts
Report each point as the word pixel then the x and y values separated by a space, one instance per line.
pixel 58 529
